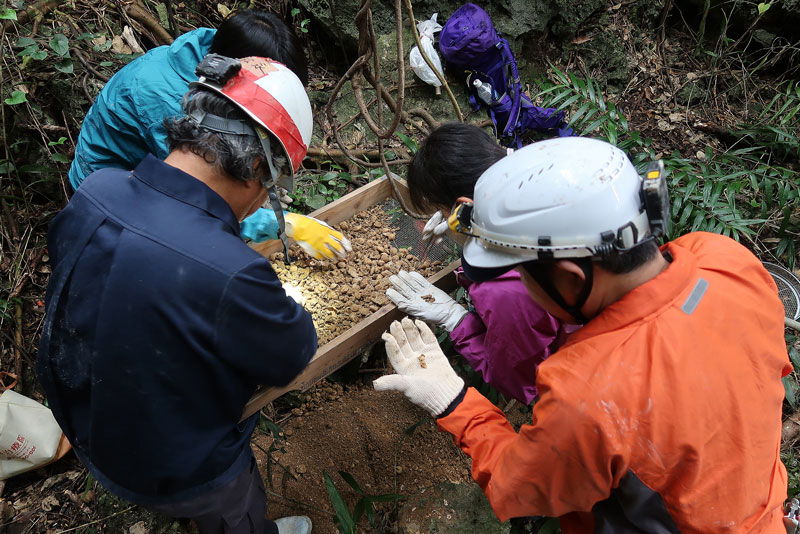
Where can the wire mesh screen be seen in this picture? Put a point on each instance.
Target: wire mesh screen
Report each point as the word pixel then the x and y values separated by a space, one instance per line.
pixel 788 289
pixel 409 236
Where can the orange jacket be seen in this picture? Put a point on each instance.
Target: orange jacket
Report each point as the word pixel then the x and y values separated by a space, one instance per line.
pixel 665 409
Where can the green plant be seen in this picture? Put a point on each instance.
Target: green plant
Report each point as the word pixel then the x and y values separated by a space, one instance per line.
pixel 302 24
pixel 6 13
pixel 7 308
pixel 314 191
pixel 410 142
pixel 790 382
pixel 88 485
pixel 345 520
pixel 777 127
pixel 269 428
pixel 593 114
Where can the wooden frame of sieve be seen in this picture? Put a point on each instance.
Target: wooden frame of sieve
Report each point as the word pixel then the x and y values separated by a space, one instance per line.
pixel 344 347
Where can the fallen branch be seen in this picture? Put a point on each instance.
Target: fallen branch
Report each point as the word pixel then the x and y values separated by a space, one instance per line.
pixel 126 510
pixel 18 344
pixel 140 15
pixel 40 8
pixel 21 284
pixel 428 62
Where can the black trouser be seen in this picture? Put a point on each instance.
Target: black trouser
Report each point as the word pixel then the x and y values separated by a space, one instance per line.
pixel 237 507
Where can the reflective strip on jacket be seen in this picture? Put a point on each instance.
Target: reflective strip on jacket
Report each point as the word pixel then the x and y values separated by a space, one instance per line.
pixel 662 414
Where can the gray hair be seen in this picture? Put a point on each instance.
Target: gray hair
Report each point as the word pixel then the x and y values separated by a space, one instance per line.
pixel 240 156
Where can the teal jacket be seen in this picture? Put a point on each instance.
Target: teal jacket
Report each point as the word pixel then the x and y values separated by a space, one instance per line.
pixel 126 121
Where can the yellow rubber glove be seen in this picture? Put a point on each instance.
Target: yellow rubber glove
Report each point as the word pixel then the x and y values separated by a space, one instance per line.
pixel 316 238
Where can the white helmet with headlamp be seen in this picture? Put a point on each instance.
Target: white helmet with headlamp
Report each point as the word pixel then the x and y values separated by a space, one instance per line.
pixel 571 197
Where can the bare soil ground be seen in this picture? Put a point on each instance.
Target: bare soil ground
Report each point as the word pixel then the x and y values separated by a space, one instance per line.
pixel 371 436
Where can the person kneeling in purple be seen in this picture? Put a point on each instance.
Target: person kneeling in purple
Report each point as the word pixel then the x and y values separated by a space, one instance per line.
pixel 504 335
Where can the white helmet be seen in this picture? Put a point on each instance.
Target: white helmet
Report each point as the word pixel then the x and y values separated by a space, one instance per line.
pixel 570 197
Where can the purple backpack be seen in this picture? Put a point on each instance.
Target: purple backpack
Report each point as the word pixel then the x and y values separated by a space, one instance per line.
pixel 470 43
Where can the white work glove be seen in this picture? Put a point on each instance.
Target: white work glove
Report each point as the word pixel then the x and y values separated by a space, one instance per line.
pixel 315 237
pixel 414 295
pixel 423 373
pixel 294 293
pixel 435 228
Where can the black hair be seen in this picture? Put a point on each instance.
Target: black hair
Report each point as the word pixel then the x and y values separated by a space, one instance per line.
pixel 448 164
pixel 630 260
pixel 240 156
pixel 253 32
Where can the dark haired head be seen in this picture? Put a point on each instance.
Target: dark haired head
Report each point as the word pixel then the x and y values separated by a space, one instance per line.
pixel 629 261
pixel 252 32
pixel 448 164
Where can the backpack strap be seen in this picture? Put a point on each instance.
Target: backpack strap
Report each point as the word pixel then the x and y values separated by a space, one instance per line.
pixel 516 87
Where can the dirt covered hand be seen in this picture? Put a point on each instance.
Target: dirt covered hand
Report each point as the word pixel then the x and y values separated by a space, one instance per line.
pixel 316 238
pixel 414 295
pixel 423 373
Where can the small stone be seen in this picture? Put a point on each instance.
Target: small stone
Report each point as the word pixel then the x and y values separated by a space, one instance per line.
pixel 301 469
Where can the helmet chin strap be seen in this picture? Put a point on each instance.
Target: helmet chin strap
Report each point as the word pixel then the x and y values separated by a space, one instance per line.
pixel 219 124
pixel 544 281
pixel 272 191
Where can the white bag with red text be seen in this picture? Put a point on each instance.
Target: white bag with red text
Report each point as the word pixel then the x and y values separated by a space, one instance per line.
pixel 29 435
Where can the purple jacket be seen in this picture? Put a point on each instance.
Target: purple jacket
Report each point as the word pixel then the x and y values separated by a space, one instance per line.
pixel 508 335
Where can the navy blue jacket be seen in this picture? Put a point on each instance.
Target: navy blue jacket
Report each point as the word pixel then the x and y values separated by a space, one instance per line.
pixel 160 323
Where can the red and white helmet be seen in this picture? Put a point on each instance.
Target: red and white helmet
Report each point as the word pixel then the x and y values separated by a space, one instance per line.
pixel 274 97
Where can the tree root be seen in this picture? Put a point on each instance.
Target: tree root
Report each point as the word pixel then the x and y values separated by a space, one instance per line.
pixel 38 9
pixel 142 16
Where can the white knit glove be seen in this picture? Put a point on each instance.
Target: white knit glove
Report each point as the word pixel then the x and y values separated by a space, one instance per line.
pixel 435 228
pixel 423 373
pixel 414 295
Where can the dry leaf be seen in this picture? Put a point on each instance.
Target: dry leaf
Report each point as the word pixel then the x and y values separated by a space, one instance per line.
pixel 118 46
pixel 130 39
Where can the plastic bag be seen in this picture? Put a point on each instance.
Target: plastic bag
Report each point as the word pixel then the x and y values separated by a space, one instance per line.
pixel 426 30
pixel 29 435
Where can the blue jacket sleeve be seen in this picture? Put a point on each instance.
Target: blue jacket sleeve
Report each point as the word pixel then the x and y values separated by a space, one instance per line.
pixel 260 226
pixel 260 330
